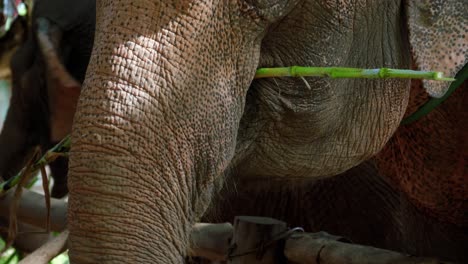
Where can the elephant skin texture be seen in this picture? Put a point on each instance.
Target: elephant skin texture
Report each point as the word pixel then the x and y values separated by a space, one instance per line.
pixel 372 203
pixel 42 103
pixel 169 108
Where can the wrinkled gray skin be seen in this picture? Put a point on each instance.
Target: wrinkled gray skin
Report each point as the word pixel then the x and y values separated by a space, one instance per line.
pixel 169 108
pixel 28 122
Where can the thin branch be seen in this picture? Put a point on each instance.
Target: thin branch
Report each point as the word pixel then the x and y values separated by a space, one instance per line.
pixel 45 188
pixel 13 221
pixel 48 251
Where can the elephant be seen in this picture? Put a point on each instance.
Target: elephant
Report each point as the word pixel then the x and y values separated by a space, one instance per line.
pixel 47 71
pixel 169 107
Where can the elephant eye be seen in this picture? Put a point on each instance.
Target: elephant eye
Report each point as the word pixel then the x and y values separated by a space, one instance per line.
pixel 268 10
pixel 250 9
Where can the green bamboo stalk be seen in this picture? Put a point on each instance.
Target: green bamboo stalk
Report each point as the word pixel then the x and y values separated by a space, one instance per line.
pixel 342 72
pixel 58 150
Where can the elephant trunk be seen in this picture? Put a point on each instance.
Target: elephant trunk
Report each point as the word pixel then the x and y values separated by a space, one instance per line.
pixel 155 126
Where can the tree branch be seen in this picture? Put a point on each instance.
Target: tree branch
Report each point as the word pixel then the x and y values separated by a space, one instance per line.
pixel 47 251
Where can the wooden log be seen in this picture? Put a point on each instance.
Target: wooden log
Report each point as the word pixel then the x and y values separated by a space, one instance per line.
pixel 257 240
pixel 315 249
pixel 28 239
pixel 210 241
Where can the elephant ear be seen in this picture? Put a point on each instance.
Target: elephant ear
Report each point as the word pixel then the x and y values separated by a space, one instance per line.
pixel 438 32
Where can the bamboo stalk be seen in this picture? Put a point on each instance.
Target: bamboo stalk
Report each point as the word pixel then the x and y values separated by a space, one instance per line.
pixel 343 72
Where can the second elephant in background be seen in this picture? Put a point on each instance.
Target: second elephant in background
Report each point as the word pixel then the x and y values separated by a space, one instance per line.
pixel 47 72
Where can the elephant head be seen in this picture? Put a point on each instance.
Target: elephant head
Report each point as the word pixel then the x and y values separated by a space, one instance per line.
pixel 169 107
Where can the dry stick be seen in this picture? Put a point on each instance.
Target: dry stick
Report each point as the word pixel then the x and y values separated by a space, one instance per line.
pixel 13 224
pixel 45 187
pixel 48 251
